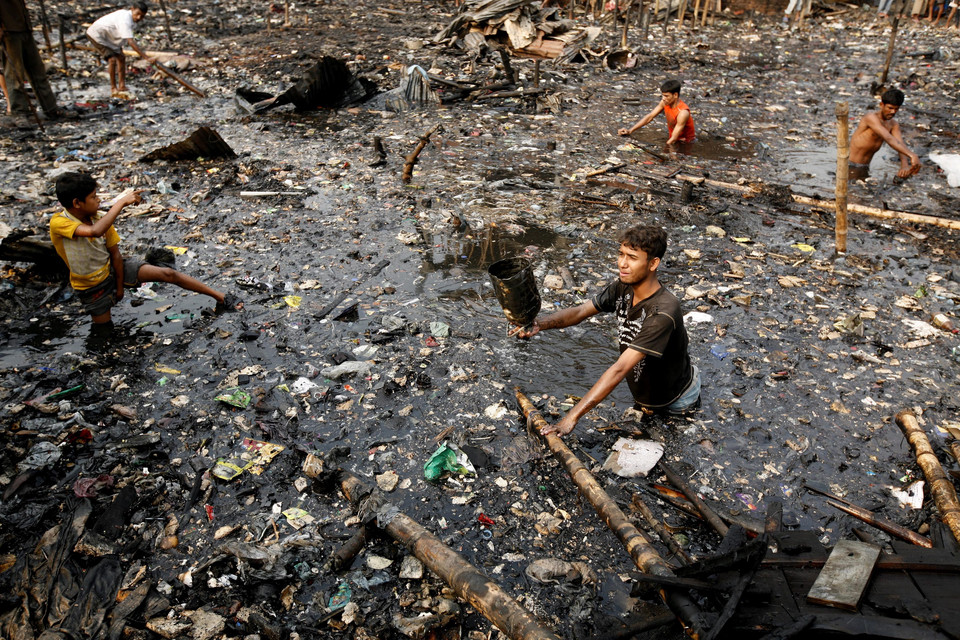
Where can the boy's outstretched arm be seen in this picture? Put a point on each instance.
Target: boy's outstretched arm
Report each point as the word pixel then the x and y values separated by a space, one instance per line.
pixel 100 227
pixel 644 121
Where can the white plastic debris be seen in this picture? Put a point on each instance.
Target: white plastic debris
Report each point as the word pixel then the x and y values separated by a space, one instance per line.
pixel 697 317
pixel 911 497
pixel 950 163
pixel 303 385
pixel 632 458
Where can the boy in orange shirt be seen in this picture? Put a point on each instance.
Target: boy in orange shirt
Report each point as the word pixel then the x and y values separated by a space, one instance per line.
pixel 87 242
pixel 679 120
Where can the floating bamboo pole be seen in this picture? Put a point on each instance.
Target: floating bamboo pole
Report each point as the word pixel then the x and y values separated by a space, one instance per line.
pixel 641 551
pixel 482 593
pixel 843 166
pixel 941 488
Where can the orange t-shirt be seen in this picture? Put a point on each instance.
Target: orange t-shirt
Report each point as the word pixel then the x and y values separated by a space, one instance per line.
pixel 688 134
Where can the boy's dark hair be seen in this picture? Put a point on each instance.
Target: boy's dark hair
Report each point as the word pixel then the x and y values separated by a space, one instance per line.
pixel 670 86
pixel 650 239
pixel 74 186
pixel 892 96
pixel 142 6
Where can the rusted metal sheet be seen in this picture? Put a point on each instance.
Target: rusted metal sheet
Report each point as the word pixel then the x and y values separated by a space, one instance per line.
pixel 202 143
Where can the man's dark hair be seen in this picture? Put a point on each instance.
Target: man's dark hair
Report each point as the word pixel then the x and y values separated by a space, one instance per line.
pixel 74 186
pixel 670 86
pixel 142 6
pixel 892 96
pixel 650 239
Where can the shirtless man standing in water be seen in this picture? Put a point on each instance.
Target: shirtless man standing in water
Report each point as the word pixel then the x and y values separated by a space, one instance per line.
pixel 878 127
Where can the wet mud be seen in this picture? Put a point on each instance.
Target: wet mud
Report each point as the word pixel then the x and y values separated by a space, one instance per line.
pixel 805 355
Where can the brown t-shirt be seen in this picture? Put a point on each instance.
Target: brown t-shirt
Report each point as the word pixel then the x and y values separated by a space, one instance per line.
pixel 13 16
pixel 653 326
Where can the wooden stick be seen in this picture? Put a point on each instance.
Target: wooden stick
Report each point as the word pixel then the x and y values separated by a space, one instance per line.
pixel 166 21
pixel 869 517
pixel 893 39
pixel 708 514
pixel 696 12
pixel 412 158
pixel 510 94
pixel 893 529
pixel 641 552
pixel 160 67
pixel 941 488
pixel 660 530
pixel 681 14
pixel 472 586
pixel 44 24
pixel 63 44
pixel 843 164
pixel 626 26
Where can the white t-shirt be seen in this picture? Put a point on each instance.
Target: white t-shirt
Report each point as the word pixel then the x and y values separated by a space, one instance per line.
pixel 113 29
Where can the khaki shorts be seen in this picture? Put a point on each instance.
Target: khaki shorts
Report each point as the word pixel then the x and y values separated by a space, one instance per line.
pixel 99 299
pixel 106 52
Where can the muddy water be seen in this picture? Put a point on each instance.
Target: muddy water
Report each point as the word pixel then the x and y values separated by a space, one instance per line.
pixel 785 396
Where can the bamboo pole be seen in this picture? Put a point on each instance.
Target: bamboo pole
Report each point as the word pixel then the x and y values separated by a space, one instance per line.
pixel 874 212
pixel 472 586
pixel 62 42
pixel 696 12
pixel 681 14
pixel 411 159
pixel 626 26
pixel 708 514
pixel 644 556
pixel 843 166
pixel 941 488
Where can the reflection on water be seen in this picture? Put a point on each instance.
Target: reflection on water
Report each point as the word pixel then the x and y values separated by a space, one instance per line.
pixel 817 167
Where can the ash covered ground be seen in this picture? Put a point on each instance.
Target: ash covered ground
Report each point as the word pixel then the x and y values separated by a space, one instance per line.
pixel 806 356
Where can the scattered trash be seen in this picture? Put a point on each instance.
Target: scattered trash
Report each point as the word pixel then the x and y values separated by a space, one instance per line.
pixel 911 496
pixel 448 458
pixel 633 458
pixel 251 455
pixel 235 397
pixel 554 570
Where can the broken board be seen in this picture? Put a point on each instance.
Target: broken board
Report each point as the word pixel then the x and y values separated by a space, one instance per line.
pixel 845 575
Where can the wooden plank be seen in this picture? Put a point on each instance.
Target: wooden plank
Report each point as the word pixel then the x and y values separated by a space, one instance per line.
pixel 845 575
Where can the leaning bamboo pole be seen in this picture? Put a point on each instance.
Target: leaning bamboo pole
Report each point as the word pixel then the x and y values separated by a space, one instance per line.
pixel 482 593
pixel 941 488
pixel 641 551
pixel 843 166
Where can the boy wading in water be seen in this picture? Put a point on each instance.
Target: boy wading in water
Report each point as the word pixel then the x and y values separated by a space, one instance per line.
pixel 87 242
pixel 679 120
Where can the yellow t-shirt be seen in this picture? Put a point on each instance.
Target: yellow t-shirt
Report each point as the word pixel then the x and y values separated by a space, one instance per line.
pixel 87 258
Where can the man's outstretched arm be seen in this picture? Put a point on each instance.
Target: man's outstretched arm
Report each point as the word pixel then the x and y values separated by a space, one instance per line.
pixel 563 318
pixel 600 390
pixel 644 121
pixel 895 141
pixel 909 162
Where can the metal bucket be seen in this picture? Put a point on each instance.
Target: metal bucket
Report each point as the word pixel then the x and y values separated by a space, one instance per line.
pixel 516 289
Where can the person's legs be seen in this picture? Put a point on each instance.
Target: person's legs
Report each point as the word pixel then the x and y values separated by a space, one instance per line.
pixel 121 62
pixel 150 273
pixel 37 72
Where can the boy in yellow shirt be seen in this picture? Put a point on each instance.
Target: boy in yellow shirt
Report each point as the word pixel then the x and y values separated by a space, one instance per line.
pixel 87 242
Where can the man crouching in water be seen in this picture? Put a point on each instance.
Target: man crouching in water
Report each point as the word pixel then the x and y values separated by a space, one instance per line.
pixel 878 127
pixel 653 341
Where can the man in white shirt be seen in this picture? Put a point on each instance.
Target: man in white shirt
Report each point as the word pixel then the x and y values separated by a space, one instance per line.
pixel 109 35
